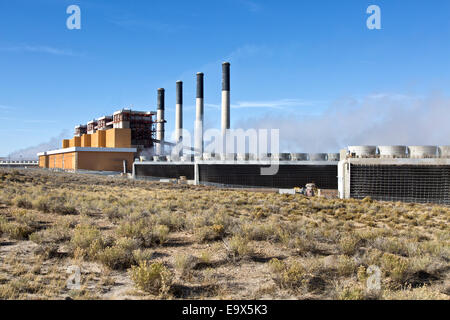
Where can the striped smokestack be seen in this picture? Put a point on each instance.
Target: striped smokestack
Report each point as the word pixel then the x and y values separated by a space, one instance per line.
pixel 225 97
pixel 199 116
pixel 160 122
pixel 179 113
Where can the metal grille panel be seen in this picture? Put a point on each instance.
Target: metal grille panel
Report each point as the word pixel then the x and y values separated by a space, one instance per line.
pixel 288 176
pixel 407 183
pixel 165 171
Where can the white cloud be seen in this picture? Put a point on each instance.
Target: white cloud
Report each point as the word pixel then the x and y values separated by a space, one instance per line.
pixel 41 49
pixel 252 6
pixel 5 107
pixel 276 104
pixel 138 24
pixel 270 104
pixel 381 119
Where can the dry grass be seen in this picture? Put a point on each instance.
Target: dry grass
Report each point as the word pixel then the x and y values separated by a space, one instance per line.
pixel 147 240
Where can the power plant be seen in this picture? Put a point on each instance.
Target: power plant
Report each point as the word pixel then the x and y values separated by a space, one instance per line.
pixel 134 141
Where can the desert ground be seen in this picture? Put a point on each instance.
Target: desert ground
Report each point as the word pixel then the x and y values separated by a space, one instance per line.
pixel 148 240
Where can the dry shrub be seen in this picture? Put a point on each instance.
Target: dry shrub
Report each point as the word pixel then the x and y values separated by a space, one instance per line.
pixel 348 244
pixel 154 278
pixel 119 256
pixel 173 220
pixel 142 230
pixel 346 266
pixel 54 204
pixel 54 234
pixel 350 291
pixel 408 293
pixel 394 266
pixel 15 230
pixel 239 247
pixel 185 263
pixel 290 276
pixel 160 234
pixel 22 202
pixel 86 240
pixel 142 255
pixel 209 233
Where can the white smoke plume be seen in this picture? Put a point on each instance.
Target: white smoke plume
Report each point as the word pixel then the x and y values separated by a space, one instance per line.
pixel 379 119
pixel 30 153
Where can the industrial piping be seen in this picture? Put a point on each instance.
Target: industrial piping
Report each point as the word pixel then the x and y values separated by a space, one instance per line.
pixel 179 115
pixel 160 123
pixel 199 116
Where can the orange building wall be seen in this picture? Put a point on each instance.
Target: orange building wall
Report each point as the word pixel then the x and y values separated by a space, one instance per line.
pixel 75 142
pixel 105 161
pixel 65 143
pixel 51 161
pixel 69 161
pixel 88 160
pixel 118 138
pixel 98 139
pixel 59 160
pixel 43 161
pixel 86 140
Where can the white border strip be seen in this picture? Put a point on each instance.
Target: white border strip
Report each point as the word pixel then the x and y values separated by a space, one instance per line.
pixel 87 149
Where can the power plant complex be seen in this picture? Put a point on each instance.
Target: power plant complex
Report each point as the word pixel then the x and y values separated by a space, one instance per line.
pixel 134 141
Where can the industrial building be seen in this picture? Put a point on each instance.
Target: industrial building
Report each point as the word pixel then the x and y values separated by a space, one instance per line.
pixel 134 141
pixel 109 143
pixel 396 173
pixel 224 167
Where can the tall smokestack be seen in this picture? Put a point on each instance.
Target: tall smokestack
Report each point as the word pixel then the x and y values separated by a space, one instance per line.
pixel 160 123
pixel 179 114
pixel 225 97
pixel 199 116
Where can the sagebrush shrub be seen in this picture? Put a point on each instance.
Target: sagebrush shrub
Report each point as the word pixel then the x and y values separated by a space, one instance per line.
pixel 154 278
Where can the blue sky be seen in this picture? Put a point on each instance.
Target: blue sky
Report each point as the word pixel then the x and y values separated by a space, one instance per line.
pixel 297 57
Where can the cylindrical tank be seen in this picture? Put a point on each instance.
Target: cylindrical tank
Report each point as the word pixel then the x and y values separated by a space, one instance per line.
pixel 422 151
pixel 281 156
pixel 207 156
pixel 392 151
pixel 228 156
pixel 299 156
pixel 444 152
pixel 317 156
pixel 159 158
pixel 243 156
pixel 187 158
pixel 333 157
pixel 264 156
pixel 363 151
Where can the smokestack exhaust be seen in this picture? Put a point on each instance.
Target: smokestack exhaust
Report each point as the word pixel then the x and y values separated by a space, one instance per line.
pixel 160 122
pixel 179 116
pixel 199 115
